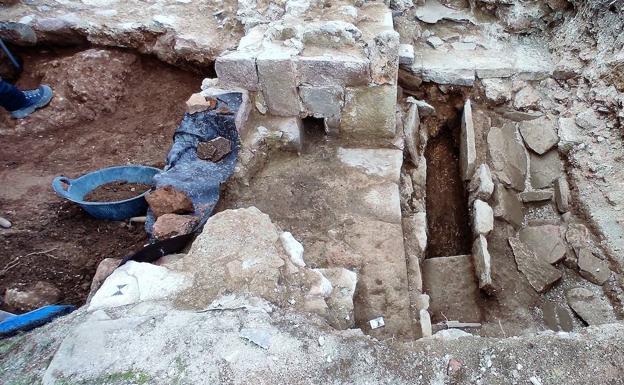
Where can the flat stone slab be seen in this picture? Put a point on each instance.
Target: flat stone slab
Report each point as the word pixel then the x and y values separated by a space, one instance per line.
pixel 507 206
pixel 541 275
pixel 540 134
pixel 508 156
pixel 545 241
pixel 591 308
pixel 545 169
pixel 593 268
pixel 452 287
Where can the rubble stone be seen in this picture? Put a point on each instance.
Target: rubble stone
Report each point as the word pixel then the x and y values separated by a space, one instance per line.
pixel 293 248
pixel 340 301
pixel 507 206
pixel 36 296
pixel 214 150
pixel 497 90
pixel 593 268
pixel 539 134
pixel 435 41
pixel 481 185
pixel 591 308
pixel 467 149
pixel 406 54
pixel 322 101
pixel 508 156
pixel 383 53
pixel 568 134
pixel 483 218
pixel 168 200
pixel 536 196
pixel 425 323
pixel 370 111
pixel 545 241
pixel 104 269
pixel 589 120
pixel 483 264
pixel 526 98
pixel 276 74
pixel 540 274
pixel 545 169
pixel 197 103
pixel 562 194
pixel 237 69
pixel 173 225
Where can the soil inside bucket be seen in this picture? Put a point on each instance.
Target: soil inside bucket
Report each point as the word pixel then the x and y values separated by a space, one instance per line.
pixel 116 191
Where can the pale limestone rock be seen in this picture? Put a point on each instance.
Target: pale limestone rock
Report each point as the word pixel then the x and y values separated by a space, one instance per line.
pixel 415 234
pixel 370 111
pixel 383 53
pixel 424 108
pixel 507 206
pixel 591 308
pixel 589 121
pixel 410 131
pixel 277 78
pixel 497 90
pixel 568 134
pixel 508 156
pixel 104 269
pixel 593 268
pixel 293 248
pixel 562 194
pixel 322 101
pixel 435 41
pixel 33 297
pixel 422 302
pixel 425 323
pixel 540 274
pixel 536 196
pixel 539 134
pixel 526 98
pixel 340 301
pixel 467 149
pixel 545 169
pixel 383 202
pixel 481 185
pixel 198 103
pixel 406 54
pixel 237 69
pixel 545 241
pixel 483 264
pixel 483 218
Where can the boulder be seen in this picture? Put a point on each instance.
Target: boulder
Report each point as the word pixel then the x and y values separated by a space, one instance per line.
pixel 507 206
pixel 481 185
pixel 467 149
pixel 545 169
pixel 591 308
pixel 539 134
pixel 104 269
pixel 483 218
pixel 172 225
pixel 508 156
pixel 168 200
pixel 483 265
pixel 33 297
pixel 593 268
pixel 214 150
pixel 545 241
pixel 540 274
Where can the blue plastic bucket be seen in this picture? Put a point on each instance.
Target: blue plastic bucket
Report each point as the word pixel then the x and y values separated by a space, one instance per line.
pixel 78 188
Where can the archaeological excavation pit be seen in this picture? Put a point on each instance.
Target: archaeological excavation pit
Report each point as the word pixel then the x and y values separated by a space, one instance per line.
pixel 426 188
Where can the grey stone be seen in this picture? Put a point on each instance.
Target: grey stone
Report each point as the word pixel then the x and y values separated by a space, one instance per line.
pixel 483 264
pixel 214 150
pixel 591 308
pixel 370 111
pixel 568 134
pixel 540 274
pixel 424 108
pixel 481 185
pixel 415 234
pixel 507 206
pixel 562 194
pixel 410 132
pixel 545 241
pixel 332 70
pixel 422 302
pixel 508 156
pixel 406 54
pixel 593 268
pixel 322 101
pixel 276 74
pixel 38 295
pixel 545 169
pixel 237 69
pixel 467 149
pixel 497 90
pixel 483 218
pixel 425 323
pixel 435 41
pixel 526 98
pixel 589 120
pixel 451 284
pixel 383 53
pixel 536 196
pixel 340 301
pixel 433 11
pixel 539 134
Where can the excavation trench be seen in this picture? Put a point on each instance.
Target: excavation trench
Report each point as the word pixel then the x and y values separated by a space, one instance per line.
pixel 111 107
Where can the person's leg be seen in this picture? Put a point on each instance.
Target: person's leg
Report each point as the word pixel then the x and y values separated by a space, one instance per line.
pixel 10 97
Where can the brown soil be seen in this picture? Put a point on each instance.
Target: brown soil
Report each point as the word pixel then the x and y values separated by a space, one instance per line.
pixel 447 202
pixel 112 109
pixel 116 191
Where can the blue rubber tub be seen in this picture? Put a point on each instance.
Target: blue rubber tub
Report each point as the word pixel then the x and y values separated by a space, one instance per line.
pixel 114 211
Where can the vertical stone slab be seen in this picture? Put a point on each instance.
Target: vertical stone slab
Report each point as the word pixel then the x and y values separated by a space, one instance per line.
pixel 467 149
pixel 276 74
pixel 482 262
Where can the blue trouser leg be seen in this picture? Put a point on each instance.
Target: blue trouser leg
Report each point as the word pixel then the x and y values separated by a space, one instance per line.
pixel 10 97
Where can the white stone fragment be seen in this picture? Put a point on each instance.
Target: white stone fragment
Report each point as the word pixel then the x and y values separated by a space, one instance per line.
pixel 435 41
pixel 482 185
pixel 293 248
pixel 406 54
pixel 323 287
pixel 483 218
pixel 425 323
pixel 467 149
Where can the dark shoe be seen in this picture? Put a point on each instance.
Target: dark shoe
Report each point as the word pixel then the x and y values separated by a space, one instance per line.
pixel 35 99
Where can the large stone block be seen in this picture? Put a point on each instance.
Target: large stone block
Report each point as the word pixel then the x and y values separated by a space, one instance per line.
pixel 333 70
pixel 370 111
pixel 237 69
pixel 276 74
pixel 467 149
pixel 322 101
pixel 383 52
